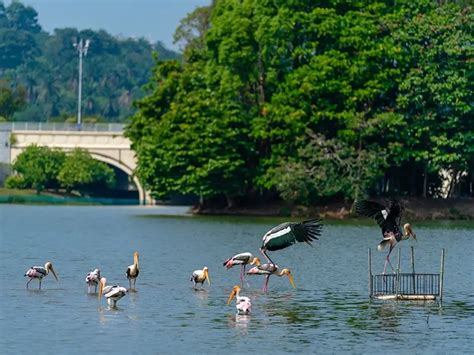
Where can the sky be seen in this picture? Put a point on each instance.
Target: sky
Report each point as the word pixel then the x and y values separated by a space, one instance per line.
pixel 155 20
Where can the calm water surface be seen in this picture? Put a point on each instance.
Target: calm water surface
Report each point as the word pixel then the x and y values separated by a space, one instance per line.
pixel 329 312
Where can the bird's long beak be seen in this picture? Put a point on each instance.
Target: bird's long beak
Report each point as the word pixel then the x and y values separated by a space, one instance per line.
pixel 54 273
pixel 292 281
pixel 101 289
pixel 206 274
pixel 255 261
pixel 135 258
pixel 231 296
pixel 409 231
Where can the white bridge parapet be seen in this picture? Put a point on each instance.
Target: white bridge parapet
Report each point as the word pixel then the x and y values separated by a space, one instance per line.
pixel 110 147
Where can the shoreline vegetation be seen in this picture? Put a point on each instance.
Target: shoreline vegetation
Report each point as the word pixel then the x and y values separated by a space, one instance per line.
pixel 415 208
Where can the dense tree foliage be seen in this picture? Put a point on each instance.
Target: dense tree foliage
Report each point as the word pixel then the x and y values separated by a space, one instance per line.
pixel 46 66
pixel 311 100
pixel 42 168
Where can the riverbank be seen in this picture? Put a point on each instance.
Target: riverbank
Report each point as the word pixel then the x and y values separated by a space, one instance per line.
pixel 415 209
pixel 30 197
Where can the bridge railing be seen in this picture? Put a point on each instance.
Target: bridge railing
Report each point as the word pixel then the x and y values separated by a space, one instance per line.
pixel 50 126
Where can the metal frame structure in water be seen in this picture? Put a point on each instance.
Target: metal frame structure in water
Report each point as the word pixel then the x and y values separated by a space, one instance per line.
pixel 406 286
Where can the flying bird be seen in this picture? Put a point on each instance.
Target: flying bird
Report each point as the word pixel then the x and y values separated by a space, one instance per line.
pixel 388 219
pixel 268 270
pixel 111 293
pixel 242 259
pixel 133 271
pixel 242 303
pixel 93 279
pixel 199 276
pixel 38 272
pixel 289 233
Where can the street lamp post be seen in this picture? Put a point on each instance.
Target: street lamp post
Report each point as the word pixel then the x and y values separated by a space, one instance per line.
pixel 82 49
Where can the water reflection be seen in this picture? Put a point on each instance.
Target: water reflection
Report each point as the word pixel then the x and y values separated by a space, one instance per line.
pixel 239 322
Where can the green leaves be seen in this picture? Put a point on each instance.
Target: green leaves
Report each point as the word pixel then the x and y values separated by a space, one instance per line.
pixel 310 100
pixel 43 168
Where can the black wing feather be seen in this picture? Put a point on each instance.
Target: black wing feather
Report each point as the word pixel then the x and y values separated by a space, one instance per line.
pixel 308 231
pixel 373 210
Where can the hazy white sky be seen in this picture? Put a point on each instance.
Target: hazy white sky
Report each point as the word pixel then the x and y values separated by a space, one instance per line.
pixel 152 19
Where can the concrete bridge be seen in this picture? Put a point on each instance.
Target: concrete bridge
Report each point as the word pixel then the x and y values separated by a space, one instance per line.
pixel 105 142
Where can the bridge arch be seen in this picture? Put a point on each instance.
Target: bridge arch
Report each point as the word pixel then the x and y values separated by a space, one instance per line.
pixel 104 144
pixel 120 165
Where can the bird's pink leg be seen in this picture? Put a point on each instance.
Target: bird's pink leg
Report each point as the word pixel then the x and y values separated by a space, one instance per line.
pixel 28 283
pixel 40 283
pixel 265 285
pixel 387 260
pixel 242 274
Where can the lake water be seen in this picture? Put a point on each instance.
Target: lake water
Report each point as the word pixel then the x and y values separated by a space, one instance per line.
pixel 328 312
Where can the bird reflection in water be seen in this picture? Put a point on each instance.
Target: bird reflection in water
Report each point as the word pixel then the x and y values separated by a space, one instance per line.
pixel 239 322
pixel 201 294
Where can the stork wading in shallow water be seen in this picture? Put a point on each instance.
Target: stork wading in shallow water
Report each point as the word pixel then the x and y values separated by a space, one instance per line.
pixel 93 279
pixel 388 219
pixel 242 303
pixel 268 270
pixel 289 233
pixel 111 293
pixel 242 259
pixel 38 272
pixel 199 276
pixel 133 271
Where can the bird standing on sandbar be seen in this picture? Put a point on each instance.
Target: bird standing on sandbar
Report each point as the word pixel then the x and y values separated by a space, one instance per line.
pixel 289 233
pixel 199 276
pixel 133 271
pixel 38 272
pixel 242 259
pixel 388 218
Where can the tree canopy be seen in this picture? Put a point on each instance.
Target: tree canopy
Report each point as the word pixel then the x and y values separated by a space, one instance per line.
pixel 310 100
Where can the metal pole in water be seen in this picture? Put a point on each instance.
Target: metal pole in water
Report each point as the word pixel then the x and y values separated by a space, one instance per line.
pixel 398 273
pixel 370 274
pixel 413 268
pixel 441 279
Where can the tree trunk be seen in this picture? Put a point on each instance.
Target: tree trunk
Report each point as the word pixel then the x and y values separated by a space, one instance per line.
pixel 425 180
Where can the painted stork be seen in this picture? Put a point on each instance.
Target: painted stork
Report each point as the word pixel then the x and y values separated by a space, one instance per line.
pixel 199 276
pixel 242 259
pixel 289 233
pixel 111 293
pixel 268 270
pixel 38 272
pixel 242 303
pixel 388 218
pixel 93 279
pixel 133 271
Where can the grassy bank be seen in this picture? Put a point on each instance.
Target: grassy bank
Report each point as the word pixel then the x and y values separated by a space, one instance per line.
pixel 14 196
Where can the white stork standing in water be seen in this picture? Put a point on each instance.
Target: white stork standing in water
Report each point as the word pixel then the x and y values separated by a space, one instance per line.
pixel 93 279
pixel 133 271
pixel 268 270
pixel 242 303
pixel 111 293
pixel 38 272
pixel 242 259
pixel 289 233
pixel 388 218
pixel 199 276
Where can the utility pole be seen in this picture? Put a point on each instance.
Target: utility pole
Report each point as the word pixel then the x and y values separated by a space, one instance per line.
pixel 82 49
